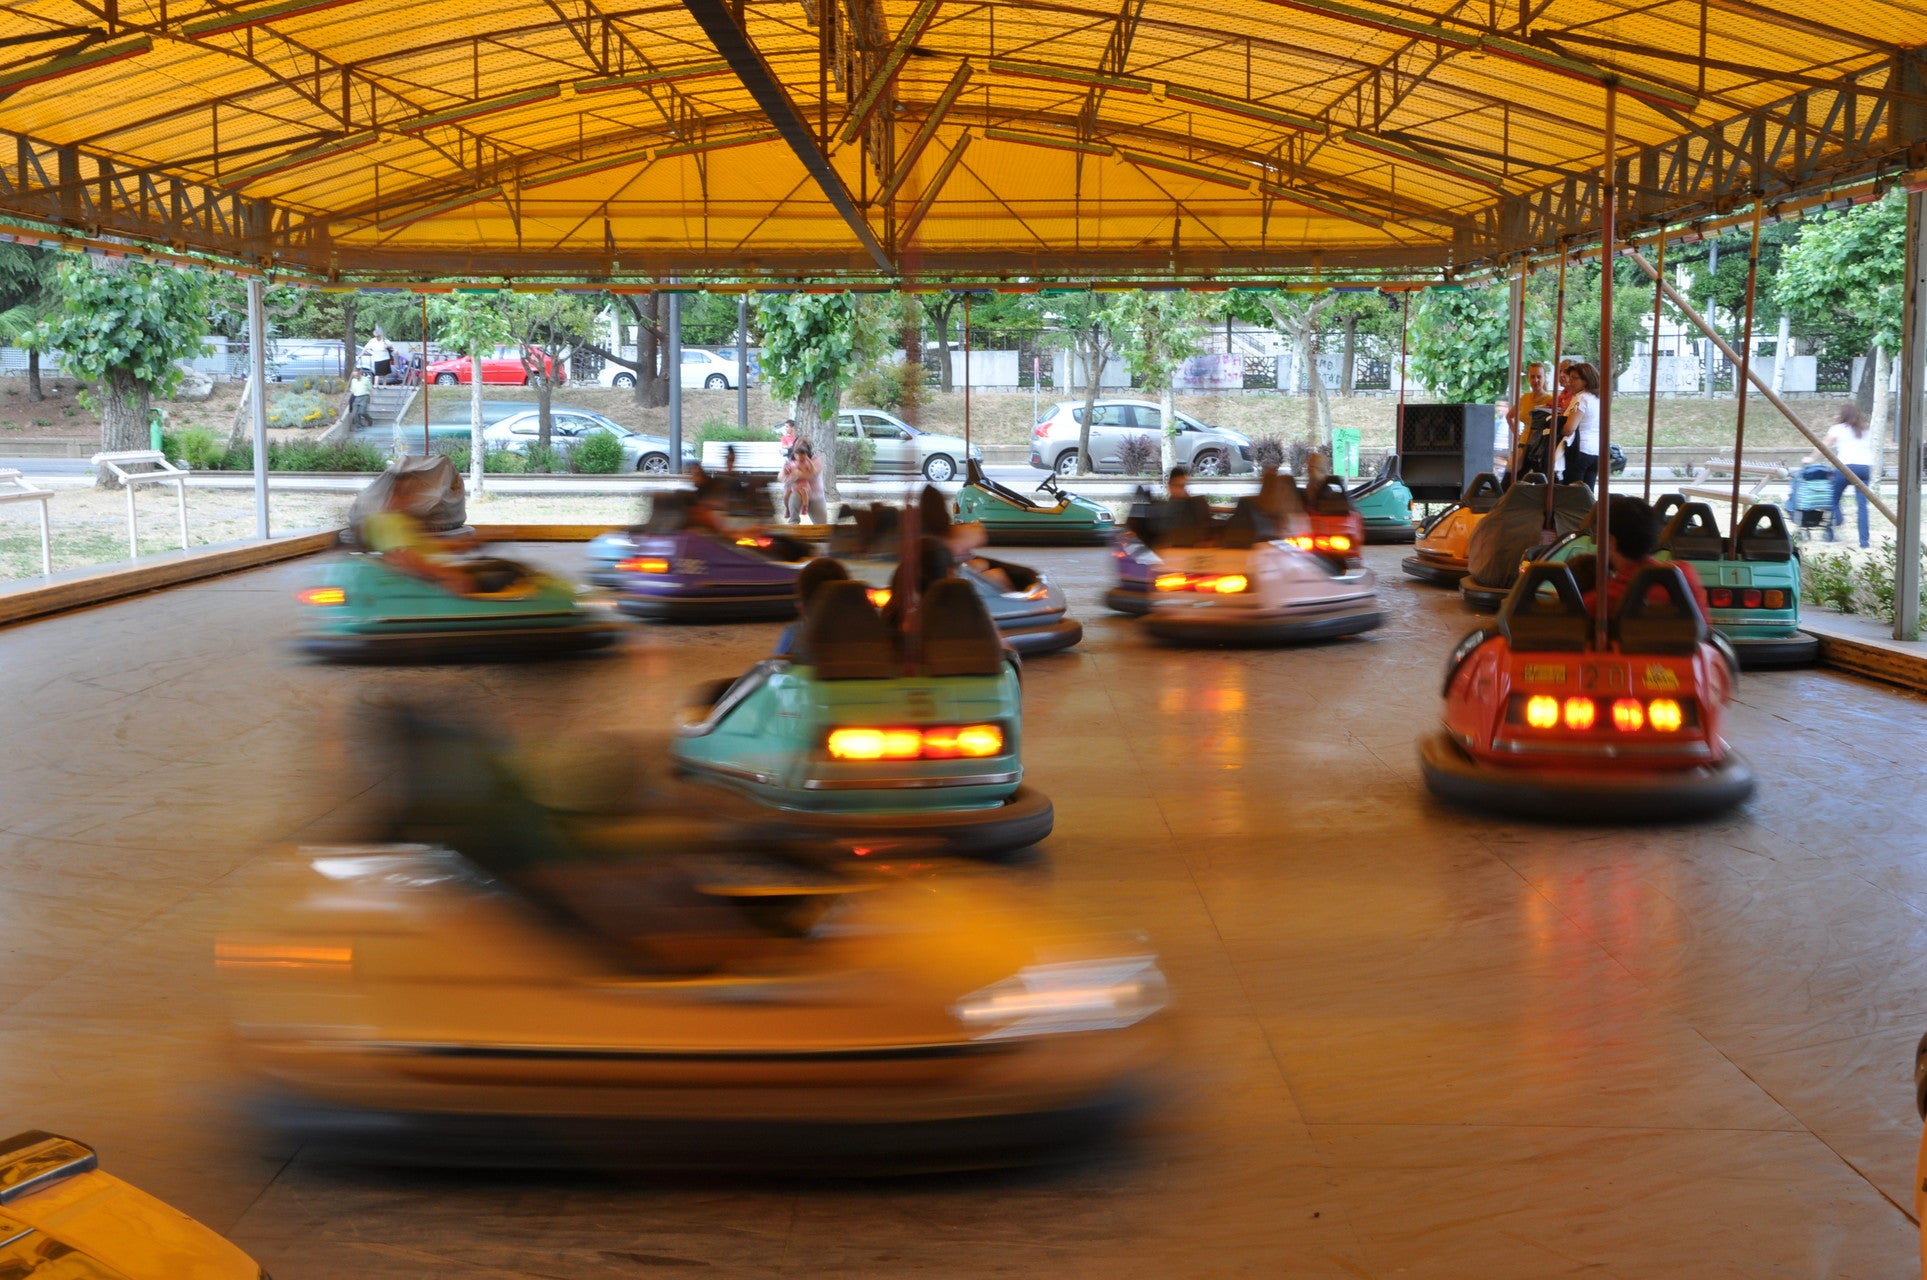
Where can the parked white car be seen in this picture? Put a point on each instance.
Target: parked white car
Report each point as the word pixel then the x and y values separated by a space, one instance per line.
pixel 701 370
pixel 901 449
pixel 647 454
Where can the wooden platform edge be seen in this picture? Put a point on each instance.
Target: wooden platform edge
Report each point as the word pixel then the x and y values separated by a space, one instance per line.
pixel 104 586
pixel 539 532
pixel 1875 662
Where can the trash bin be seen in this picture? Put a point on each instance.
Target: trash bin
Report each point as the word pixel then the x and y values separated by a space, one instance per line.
pixel 1344 460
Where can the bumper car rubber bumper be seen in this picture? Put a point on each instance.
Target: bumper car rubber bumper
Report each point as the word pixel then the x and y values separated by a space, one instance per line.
pixel 1222 627
pixel 1481 598
pixel 1386 535
pixel 1127 601
pixel 1438 572
pixel 696 610
pixel 1044 637
pixel 481 644
pixel 1023 820
pixel 1572 795
pixel 825 1147
pixel 1801 649
pixel 1029 535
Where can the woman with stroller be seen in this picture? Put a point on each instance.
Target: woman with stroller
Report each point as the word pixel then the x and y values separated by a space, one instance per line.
pixel 1852 443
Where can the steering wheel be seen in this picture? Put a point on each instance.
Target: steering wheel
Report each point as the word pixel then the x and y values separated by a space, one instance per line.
pixel 1050 486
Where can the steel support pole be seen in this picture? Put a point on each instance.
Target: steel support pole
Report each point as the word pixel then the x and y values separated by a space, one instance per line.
pixel 1602 507
pixel 1913 415
pixel 1515 360
pixel 258 403
pixel 966 374
pixel 675 379
pixel 427 446
pixel 1746 368
pixel 1652 372
pixel 742 361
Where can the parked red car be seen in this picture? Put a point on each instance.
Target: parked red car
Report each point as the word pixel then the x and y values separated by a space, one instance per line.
pixel 501 368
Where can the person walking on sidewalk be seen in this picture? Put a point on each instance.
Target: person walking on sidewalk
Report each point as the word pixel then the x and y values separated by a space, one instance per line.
pixel 360 387
pixel 1852 443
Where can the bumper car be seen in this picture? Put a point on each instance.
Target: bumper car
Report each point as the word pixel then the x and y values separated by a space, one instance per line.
pixel 1384 504
pixel 1010 519
pixel 540 983
pixel 1541 724
pixel 1336 527
pixel 1752 582
pixel 1153 523
pixel 364 610
pixel 669 572
pixel 1438 555
pixel 852 735
pixel 62 1218
pixel 1244 588
pixel 1517 529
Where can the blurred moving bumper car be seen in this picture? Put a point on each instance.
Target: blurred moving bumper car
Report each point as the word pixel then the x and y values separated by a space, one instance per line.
pixel 852 736
pixel 1244 588
pixel 1010 519
pixel 1540 723
pixel 545 988
pixel 696 576
pixel 1438 556
pixel 364 610
pixel 61 1218
pixel 1336 527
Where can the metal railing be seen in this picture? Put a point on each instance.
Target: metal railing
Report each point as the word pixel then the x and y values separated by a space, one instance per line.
pixel 165 472
pixel 14 488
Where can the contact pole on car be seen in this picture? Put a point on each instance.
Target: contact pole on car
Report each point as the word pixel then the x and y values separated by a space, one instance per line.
pixel 1608 210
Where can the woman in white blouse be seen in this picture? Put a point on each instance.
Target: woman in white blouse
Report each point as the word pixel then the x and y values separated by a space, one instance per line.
pixel 1852 443
pixel 1580 431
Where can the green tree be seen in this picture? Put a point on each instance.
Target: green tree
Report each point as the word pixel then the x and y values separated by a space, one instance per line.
pixel 814 345
pixel 1846 272
pixel 29 297
pixel 121 327
pixel 1459 339
pixel 1157 333
pixel 1304 318
pixel 1632 311
pixel 1087 324
pixel 550 328
pixel 476 323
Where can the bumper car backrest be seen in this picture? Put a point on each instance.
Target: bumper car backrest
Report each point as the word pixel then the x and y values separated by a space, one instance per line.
pixel 815 575
pixel 454 790
pixel 845 638
pixel 1533 623
pixel 1671 624
pixel 959 639
pixel 975 477
pixel 1328 497
pixel 1388 471
pixel 1692 534
pixel 668 512
pixel 1667 505
pixel 1184 522
pixel 1763 535
pixel 1481 493
pixel 1245 527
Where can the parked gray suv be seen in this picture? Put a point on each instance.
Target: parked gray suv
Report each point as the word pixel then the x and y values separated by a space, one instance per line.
pixel 1206 450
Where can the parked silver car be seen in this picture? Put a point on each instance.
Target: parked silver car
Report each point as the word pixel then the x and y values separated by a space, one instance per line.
pixel 1206 450
pixel 647 454
pixel 901 449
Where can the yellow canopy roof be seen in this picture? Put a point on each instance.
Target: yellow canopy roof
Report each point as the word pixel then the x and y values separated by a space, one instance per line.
pixel 931 139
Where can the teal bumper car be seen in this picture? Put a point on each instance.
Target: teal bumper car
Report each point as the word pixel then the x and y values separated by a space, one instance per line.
pixel 1385 504
pixel 363 610
pixel 1752 582
pixel 1012 520
pixel 857 736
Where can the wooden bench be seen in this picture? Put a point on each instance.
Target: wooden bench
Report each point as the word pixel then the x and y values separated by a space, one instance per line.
pixel 1761 474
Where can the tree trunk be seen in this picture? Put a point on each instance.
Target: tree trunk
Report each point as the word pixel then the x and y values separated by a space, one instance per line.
pixel 477 447
pixel 124 409
pixel 1347 372
pixel 1863 390
pixel 910 334
pixel 1093 357
pixel 544 418
pixel 33 375
pixel 1882 407
pixel 652 389
pixel 946 371
pixel 819 429
pixel 1318 408
pixel 1782 346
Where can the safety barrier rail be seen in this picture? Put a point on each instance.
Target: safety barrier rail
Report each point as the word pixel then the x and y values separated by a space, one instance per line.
pixel 165 473
pixel 14 488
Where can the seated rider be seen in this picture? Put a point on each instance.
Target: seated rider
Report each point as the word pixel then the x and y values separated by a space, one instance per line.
pixel 932 563
pixel 962 541
pixel 1634 529
pixel 397 535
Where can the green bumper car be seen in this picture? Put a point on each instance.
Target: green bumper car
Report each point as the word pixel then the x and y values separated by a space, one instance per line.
pixel 363 610
pixel 1012 520
pixel 851 737
pixel 1385 504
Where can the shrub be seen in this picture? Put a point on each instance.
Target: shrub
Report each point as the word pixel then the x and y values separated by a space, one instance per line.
pixel 897 387
pixel 1140 455
pixel 1840 580
pixel 1826 579
pixel 540 457
pixel 855 457
pixel 196 447
pixel 1298 455
pixel 301 409
pixel 721 429
pixel 1268 451
pixel 599 454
